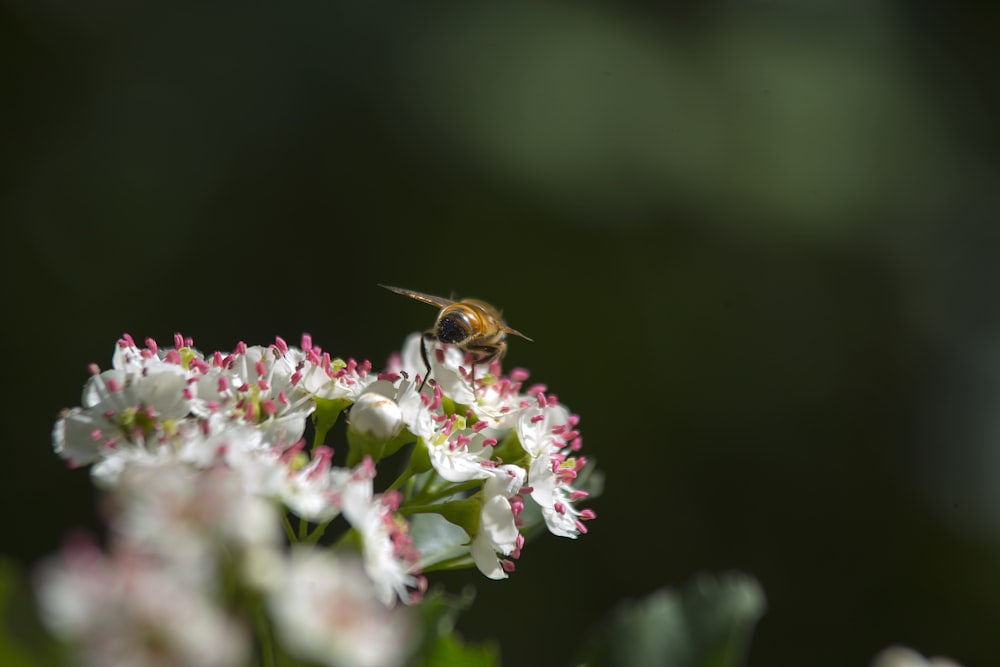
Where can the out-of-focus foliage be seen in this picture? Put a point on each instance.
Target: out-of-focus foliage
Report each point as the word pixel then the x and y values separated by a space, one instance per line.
pixel 755 244
pixel 707 624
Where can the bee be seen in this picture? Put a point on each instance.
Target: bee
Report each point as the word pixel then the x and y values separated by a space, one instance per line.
pixel 471 325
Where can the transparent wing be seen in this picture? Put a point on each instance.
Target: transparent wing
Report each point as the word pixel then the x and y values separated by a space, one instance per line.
pixel 438 301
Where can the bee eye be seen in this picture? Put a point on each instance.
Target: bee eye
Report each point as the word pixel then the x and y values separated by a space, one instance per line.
pixel 452 330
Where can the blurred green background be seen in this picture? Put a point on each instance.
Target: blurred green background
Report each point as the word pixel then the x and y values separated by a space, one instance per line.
pixel 756 245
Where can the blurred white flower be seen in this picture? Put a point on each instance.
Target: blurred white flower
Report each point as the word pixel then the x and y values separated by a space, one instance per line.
pixel 129 610
pixel 325 609
pixel 182 515
pixel 901 656
pixel 388 554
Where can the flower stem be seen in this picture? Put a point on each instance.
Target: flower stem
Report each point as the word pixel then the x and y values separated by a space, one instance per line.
pixel 267 656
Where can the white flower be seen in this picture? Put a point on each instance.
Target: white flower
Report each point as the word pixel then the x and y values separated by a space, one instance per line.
pixel 325 609
pixel 376 416
pixel 258 386
pixel 389 557
pixel 461 458
pixel 413 406
pixel 497 523
pixel 128 610
pixel 333 379
pixel 448 367
pixel 181 514
pixel 314 491
pixel 548 434
pixel 124 410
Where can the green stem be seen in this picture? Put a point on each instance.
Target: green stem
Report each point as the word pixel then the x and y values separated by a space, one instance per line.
pixel 267 655
pixel 426 495
pixel 289 531
pixel 317 533
pixel 303 530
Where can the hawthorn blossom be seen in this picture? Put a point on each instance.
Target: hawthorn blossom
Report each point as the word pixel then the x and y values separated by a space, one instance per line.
pixel 127 609
pixel 181 514
pixel 326 610
pixel 497 532
pixel 547 433
pixel 387 550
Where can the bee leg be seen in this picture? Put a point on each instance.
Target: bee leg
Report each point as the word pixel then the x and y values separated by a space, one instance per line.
pixel 484 354
pixel 429 334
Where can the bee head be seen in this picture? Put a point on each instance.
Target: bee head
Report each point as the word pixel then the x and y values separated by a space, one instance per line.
pixel 452 329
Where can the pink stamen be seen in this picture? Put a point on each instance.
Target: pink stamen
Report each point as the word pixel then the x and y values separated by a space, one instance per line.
pixel 282 398
pixel 537 418
pixel 173 357
pixel 307 342
pixel 479 426
pixel 519 374
pixel 151 344
pixel 222 385
pixel 588 514
pixel 94 369
pixel 113 385
pixel 280 343
pixel 95 435
pixel 269 407
pixel 126 341
pixel 507 565
pixel 582 528
pixel 559 507
pixel 576 495
pixel 489 442
pixel 178 340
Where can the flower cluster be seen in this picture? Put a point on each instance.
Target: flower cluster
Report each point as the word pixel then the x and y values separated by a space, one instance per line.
pixel 205 460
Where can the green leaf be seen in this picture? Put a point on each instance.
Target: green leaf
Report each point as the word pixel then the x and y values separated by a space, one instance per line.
pixel 440 646
pixel 325 416
pixel 707 624
pixel 23 642
pixel 437 539
pixel 449 651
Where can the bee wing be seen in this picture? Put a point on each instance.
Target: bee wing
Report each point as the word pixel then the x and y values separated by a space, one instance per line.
pixel 507 329
pixel 438 301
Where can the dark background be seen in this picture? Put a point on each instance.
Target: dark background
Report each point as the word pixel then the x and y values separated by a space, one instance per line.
pixel 755 244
